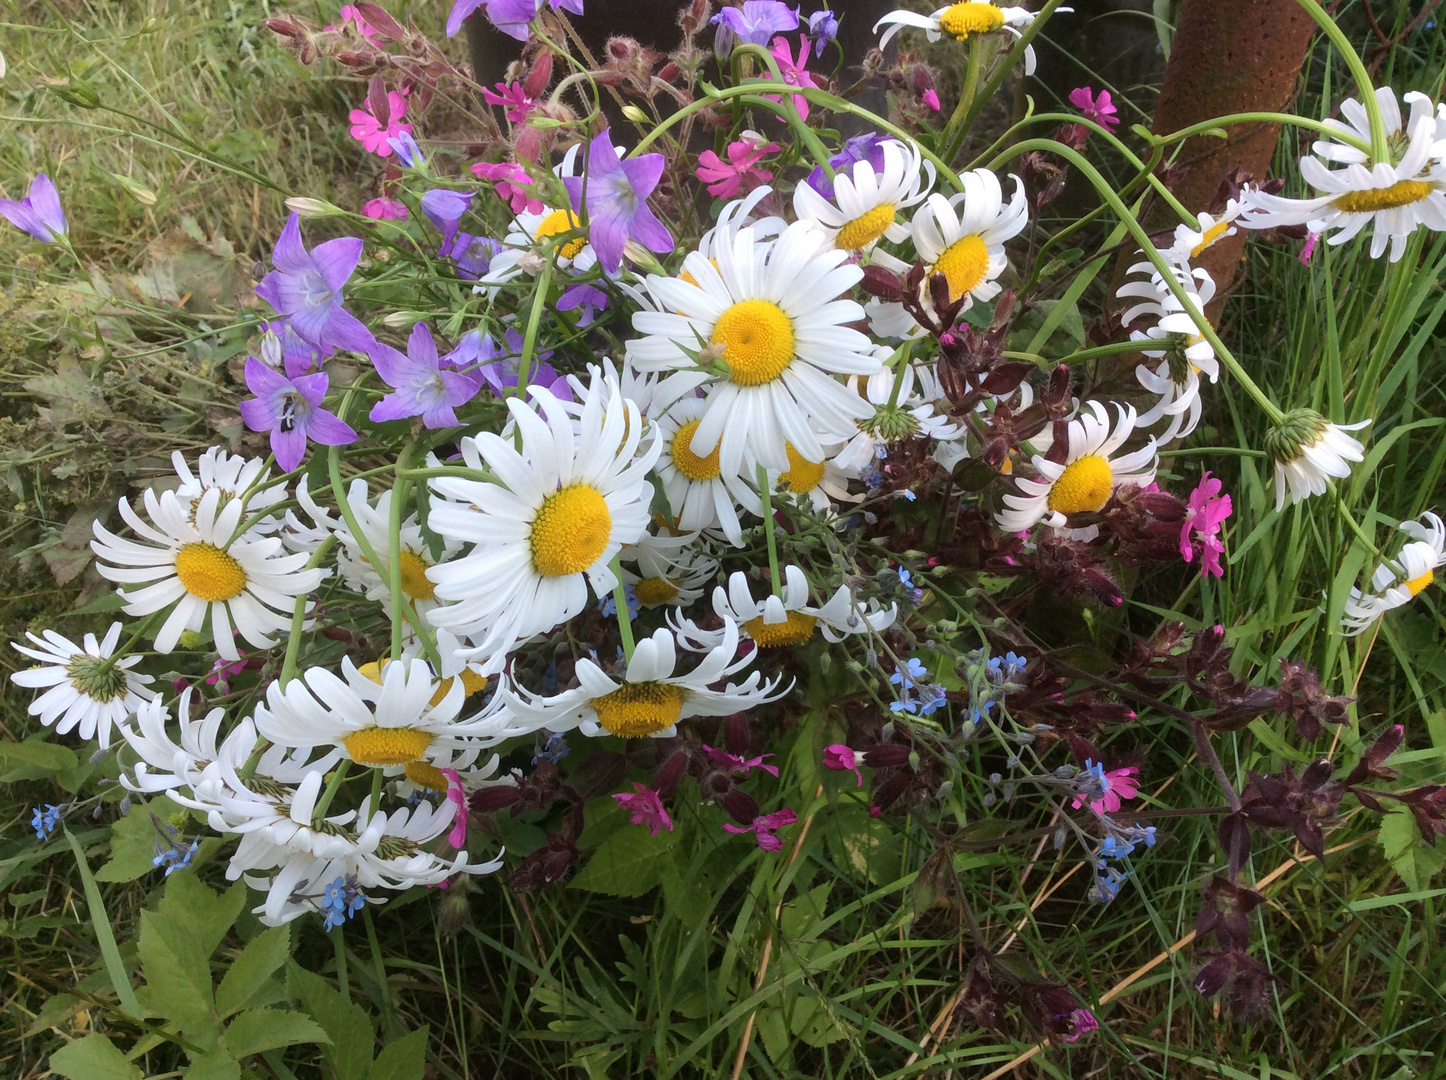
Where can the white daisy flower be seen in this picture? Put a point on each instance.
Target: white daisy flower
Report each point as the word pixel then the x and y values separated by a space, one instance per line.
pixel 192 558
pixel 961 20
pixel 910 417
pixel 1084 481
pixel 1395 198
pixel 416 558
pixel 651 698
pixel 666 574
pixel 561 509
pixel 1306 449
pixel 296 534
pixel 819 483
pixel 1357 123
pixel 865 203
pixel 1175 377
pixel 87 690
pixel 236 477
pixel 525 232
pixel 700 494
pixel 396 721
pixel 774 317
pixel 1400 581
pixel 788 619
pixel 1190 243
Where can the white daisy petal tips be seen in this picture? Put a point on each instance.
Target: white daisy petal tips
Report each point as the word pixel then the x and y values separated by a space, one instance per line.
pixel 1398 582
pixel 1307 450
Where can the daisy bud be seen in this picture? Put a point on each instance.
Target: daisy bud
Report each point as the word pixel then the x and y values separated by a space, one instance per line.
pixel 1306 448
pixel 635 114
pixel 312 208
pixel 400 320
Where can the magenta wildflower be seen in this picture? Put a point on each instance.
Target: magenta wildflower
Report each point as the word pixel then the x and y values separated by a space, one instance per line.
pixel 457 796
pixel 222 670
pixel 306 286
pixel 1081 1022
pixel 373 131
pixel 764 828
pixel 1309 249
pixel 511 183
pixel 735 762
pixel 1099 109
pixel 420 385
pixel 794 74
pixel 1205 514
pixel 646 808
pixel 288 405
pixel 616 192
pixel 1119 784
pixel 725 179
pixel 39 213
pixel 385 209
pixel 841 758
pixel 513 99
pixel 931 98
pixel 350 14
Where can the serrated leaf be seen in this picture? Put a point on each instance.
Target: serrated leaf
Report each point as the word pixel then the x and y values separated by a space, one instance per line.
pixel 249 971
pixel 133 841
pixel 42 755
pixel 178 978
pixel 269 1029
pixel 189 907
pixel 402 1059
pixel 218 1064
pixel 628 863
pixel 349 1055
pixel 93 1058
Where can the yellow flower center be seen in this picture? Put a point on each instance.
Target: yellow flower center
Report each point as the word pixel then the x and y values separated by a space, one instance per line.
pixel 415 582
pixel 379 747
pixel 1401 193
pixel 961 20
pixel 425 774
pixel 1084 485
pixel 865 229
pixel 965 262
pixel 757 340
pixel 208 573
pixel 1416 584
pixel 690 279
pixel 473 683
pixel 802 475
pixel 571 530
pixel 692 466
pixel 1208 237
pixel 561 221
pixel 794 630
pixel 655 591
pixel 635 710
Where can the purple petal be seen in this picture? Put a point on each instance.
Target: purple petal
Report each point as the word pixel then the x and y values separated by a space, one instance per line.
pixel 512 16
pixel 262 380
pixel 310 322
pixel 643 173
pixel 345 331
pixel 290 256
pixel 602 156
pixel 23 218
pixel 390 407
pixel 259 415
pixel 328 429
pixel 460 388
pixel 391 365
pixel 421 348
pixel 45 201
pixel 336 259
pixel 266 288
pixel 574 190
pixel 650 232
pixel 440 416
pixel 461 10
pixel 288 446
pixel 312 387
pixel 609 235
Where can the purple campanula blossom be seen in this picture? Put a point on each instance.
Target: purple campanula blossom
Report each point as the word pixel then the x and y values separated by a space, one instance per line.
pixel 282 348
pixel 407 150
pixel 444 208
pixel 824 26
pixel 510 16
pixel 39 213
pixel 461 11
pixel 472 254
pixel 754 23
pixel 617 191
pixel 420 385
pixel 306 287
pixel 591 300
pixel 479 356
pixel 290 408
pixel 868 148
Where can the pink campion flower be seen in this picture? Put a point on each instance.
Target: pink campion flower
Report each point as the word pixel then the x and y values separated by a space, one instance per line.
pixel 1082 1022
pixel 222 670
pixel 385 210
pixel 1099 109
pixel 931 99
pixel 725 179
pixel 764 828
pixel 1309 249
pixel 457 796
pixel 646 808
pixel 1205 514
pixel 1120 784
pixel 372 133
pixel 350 14
pixel 841 758
pixel 511 183
pixel 725 760
pixel 513 99
pixel 794 74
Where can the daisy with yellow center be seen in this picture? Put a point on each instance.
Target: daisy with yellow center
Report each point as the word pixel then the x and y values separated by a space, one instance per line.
pixel 963 21
pixel 88 689
pixel 189 559
pixel 819 484
pixel 651 697
pixel 1161 319
pixel 911 416
pixel 773 318
pixel 374 582
pixel 1397 583
pixel 698 492
pixel 235 477
pixel 787 619
pixel 865 203
pixel 1210 229
pixel 667 571
pixel 1087 477
pixel 562 507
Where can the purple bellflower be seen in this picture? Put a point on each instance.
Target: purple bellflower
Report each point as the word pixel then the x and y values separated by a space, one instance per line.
pixel 306 287
pixel 420 385
pixel 407 150
pixel 510 16
pixel 39 213
pixel 754 23
pixel 444 208
pixel 480 357
pixel 472 254
pixel 868 148
pixel 588 299
pixel 289 406
pixel 823 25
pixel 617 208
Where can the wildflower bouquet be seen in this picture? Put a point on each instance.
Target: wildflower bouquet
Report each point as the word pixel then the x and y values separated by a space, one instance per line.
pixel 593 473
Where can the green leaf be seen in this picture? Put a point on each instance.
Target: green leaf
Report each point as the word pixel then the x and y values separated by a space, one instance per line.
pixel 189 908
pixel 38 753
pixel 104 936
pixel 133 840
pixel 93 1058
pixel 218 1064
pixel 627 863
pixel 402 1059
pixel 1416 862
pixel 268 1029
pixel 349 1053
pixel 249 971
pixel 178 977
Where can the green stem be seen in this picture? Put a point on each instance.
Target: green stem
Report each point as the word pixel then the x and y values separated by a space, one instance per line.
pixel 146 626
pixel 620 602
pixel 298 618
pixel 1354 525
pixel 482 476
pixel 767 495
pixel 1379 150
pixel 901 361
pixel 333 786
pixel 1028 34
pixel 534 319
pixel 1318 126
pixel 401 492
pixel 955 130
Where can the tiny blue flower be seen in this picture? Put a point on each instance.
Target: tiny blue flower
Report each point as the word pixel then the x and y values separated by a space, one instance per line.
pixel 909 674
pixel 44 821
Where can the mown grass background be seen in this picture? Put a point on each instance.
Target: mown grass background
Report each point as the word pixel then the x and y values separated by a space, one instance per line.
pixel 134 355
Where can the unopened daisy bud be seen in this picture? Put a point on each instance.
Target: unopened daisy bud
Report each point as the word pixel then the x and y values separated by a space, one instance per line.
pixel 144 196
pixel 312 208
pixel 1306 448
pixel 635 114
pixel 400 320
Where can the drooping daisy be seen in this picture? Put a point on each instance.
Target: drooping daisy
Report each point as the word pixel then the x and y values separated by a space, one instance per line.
pixel 651 698
pixel 87 690
pixel 865 203
pixel 959 21
pixel 667 574
pixel 774 318
pixel 236 477
pixel 910 416
pixel 1306 449
pixel 191 558
pixel 564 507
pixel 700 493
pixel 1190 243
pixel 416 558
pixel 820 483
pixel 788 619
pixel 296 534
pixel 1357 123
pixel 1394 197
pixel 396 721
pixel 1084 481
pixel 1399 582
pixel 1176 375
